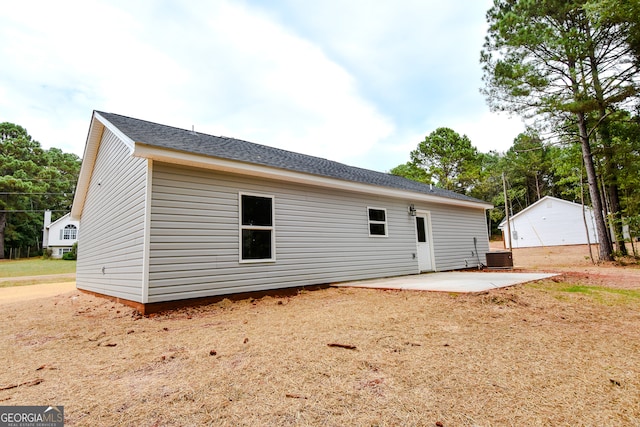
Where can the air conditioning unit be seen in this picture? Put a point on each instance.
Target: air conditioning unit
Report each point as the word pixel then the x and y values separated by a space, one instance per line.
pixel 500 259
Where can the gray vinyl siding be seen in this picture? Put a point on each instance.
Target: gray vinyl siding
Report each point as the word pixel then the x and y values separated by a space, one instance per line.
pixel 453 231
pixel 112 224
pixel 322 236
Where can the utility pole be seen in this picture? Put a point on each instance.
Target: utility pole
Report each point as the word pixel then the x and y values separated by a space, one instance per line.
pixel 506 209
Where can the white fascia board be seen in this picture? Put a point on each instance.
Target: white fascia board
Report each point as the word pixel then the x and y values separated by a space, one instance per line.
pixel 231 166
pixel 96 129
pixel 62 218
pixel 86 169
pixel 522 212
pixel 533 205
pixel 121 136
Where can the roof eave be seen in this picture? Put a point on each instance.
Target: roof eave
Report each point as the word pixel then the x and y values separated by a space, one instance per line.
pixel 59 220
pixel 225 165
pixel 536 203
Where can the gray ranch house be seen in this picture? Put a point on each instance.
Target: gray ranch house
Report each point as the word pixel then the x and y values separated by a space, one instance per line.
pixel 170 215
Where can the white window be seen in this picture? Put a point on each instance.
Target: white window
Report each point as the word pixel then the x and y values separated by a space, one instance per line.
pixel 377 222
pixel 257 233
pixel 70 232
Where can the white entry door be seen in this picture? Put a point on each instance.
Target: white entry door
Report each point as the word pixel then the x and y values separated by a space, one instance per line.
pixel 425 263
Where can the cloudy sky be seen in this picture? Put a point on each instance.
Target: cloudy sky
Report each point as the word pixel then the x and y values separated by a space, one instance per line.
pixel 355 81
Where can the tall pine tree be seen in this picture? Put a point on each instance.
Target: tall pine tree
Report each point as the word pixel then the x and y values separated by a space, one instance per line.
pixel 551 60
pixel 31 180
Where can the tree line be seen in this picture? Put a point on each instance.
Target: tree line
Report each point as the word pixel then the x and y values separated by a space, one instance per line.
pixel 570 69
pixel 32 180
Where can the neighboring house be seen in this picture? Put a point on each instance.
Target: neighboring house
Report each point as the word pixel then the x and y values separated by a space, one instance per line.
pixel 60 235
pixel 550 222
pixel 168 214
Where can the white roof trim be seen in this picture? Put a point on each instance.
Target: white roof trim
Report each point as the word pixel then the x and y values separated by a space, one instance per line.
pixel 225 165
pixel 59 219
pixel 124 138
pixel 96 129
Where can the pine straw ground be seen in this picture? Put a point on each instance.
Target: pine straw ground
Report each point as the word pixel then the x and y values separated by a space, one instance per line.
pixel 560 352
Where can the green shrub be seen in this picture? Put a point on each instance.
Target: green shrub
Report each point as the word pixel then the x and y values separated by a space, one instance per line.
pixel 73 254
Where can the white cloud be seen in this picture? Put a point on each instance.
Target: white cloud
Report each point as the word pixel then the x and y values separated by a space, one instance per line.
pixel 225 68
pixel 296 95
pixel 357 82
pixel 489 131
pixel 419 61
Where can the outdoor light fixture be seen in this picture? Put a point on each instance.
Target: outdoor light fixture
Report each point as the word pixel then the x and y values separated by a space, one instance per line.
pixel 412 210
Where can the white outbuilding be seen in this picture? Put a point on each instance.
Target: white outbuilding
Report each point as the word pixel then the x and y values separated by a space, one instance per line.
pixel 551 222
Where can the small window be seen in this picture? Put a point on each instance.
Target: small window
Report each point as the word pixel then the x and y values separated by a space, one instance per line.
pixel 422 230
pixel 377 222
pixel 257 239
pixel 70 232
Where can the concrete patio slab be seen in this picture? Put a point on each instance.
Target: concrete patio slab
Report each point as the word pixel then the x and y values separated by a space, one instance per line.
pixel 450 281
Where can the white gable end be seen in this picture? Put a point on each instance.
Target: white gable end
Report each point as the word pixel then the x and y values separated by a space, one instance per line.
pixel 551 222
pixel 62 233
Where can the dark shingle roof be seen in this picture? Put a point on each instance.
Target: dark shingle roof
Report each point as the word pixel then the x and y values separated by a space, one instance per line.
pixel 158 135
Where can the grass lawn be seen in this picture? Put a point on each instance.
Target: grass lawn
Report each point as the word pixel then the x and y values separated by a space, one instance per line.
pixel 35 267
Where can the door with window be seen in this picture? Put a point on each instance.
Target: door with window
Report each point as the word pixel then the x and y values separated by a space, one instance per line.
pixel 423 234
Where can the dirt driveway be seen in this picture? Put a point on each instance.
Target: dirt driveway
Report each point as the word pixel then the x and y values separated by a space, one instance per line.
pixel 30 292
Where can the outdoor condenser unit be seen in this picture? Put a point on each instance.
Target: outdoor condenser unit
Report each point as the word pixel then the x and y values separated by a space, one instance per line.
pixel 500 259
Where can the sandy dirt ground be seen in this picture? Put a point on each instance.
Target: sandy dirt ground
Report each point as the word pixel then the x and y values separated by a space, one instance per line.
pixel 576 261
pixel 563 352
pixel 31 292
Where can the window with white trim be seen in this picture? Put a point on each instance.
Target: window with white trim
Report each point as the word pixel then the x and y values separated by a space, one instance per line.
pixel 70 232
pixel 377 222
pixel 257 233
